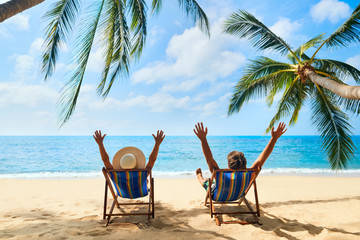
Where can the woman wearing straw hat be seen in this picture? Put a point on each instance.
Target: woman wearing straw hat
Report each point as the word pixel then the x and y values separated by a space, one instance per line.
pixel 129 157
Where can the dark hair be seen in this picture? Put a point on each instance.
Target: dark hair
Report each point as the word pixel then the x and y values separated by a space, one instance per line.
pixel 236 160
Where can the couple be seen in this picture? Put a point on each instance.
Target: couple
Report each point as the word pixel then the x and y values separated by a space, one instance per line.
pixel 131 157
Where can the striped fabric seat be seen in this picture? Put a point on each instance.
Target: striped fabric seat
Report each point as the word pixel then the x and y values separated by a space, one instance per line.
pixel 231 185
pixel 130 184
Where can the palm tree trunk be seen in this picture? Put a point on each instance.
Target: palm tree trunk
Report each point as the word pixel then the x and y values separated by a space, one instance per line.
pixel 345 91
pixel 13 7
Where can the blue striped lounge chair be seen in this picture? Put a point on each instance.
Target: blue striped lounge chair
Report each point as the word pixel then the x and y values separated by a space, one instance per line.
pixel 130 184
pixel 231 187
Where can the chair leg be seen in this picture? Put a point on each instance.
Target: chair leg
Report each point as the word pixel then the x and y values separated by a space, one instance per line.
pixel 256 200
pixel 111 210
pixel 105 200
pixel 152 197
pixel 217 220
pixel 252 210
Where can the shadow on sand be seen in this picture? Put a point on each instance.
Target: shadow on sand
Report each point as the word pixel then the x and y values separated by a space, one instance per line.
pixel 46 224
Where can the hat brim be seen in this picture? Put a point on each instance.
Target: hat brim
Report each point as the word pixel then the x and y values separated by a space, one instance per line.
pixel 139 155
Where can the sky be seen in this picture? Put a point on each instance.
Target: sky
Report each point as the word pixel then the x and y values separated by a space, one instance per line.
pixel 183 77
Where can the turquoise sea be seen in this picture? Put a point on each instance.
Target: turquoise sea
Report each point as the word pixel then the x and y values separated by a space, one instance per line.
pixel 78 156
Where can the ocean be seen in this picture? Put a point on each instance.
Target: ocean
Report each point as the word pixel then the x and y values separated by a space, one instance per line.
pixel 179 156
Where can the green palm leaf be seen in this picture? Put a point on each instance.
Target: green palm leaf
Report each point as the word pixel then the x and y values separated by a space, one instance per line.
pixel 110 25
pixel 334 129
pixel 118 46
pixel 351 105
pixel 245 25
pixel 191 7
pixel 341 70
pixel 262 66
pixel 122 55
pixel 138 26
pixel 347 33
pixel 83 47
pixel 300 51
pixel 156 6
pixel 291 102
pixel 260 76
pixel 62 17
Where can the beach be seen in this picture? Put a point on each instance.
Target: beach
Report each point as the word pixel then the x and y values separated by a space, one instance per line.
pixel 292 207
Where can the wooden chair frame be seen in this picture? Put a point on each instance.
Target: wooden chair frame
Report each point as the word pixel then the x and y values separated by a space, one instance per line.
pixel 214 213
pixel 109 184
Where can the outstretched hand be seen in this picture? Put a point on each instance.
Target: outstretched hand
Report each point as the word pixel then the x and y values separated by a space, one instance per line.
pixel 98 138
pixel 200 132
pixel 159 137
pixel 279 131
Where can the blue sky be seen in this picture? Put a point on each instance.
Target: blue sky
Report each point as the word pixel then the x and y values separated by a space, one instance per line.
pixel 182 77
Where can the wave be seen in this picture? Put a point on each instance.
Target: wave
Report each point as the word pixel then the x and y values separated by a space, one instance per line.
pixel 184 174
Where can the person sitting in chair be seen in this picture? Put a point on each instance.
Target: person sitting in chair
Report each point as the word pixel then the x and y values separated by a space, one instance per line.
pixel 129 157
pixel 236 160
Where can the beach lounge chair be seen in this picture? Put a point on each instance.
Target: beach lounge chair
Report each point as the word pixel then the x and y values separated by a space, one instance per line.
pixel 231 187
pixel 130 184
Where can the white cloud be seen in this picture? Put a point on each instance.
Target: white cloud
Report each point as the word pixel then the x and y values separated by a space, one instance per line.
pixel 285 28
pixel 36 46
pixel 154 34
pixel 207 109
pixel 158 102
pixel 4 32
pixel 193 58
pixel 354 61
pixel 95 58
pixel 20 21
pixel 25 67
pixel 17 93
pixel 332 10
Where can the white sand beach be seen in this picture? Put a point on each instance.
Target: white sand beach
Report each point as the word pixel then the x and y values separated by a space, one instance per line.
pixel 292 207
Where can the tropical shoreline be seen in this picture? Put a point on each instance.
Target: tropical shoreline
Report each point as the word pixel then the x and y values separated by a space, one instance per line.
pixel 185 174
pixel 293 207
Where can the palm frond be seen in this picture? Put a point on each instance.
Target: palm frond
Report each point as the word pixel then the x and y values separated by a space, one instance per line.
pixel 138 26
pixel 284 79
pixel 334 129
pixel 117 46
pixel 291 102
pixel 62 16
pixel 350 105
pixel 341 70
pixel 191 7
pixel 300 51
pixel 245 25
pixel 260 76
pixel 156 6
pixel 109 24
pixel 263 66
pixel 70 92
pixel 121 57
pixel 347 33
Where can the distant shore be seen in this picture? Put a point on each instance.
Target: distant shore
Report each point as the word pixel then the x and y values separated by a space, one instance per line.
pixel 187 174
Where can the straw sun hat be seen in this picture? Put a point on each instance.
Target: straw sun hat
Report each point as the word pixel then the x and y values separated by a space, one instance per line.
pixel 129 158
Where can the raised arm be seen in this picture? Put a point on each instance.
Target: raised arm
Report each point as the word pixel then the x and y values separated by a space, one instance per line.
pixel 201 133
pixel 270 146
pixel 104 156
pixel 158 140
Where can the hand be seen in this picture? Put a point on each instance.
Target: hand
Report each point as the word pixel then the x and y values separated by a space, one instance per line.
pixel 98 138
pixel 279 131
pixel 200 132
pixel 159 137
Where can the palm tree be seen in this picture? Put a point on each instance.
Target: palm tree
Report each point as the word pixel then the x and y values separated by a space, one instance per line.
pixel 13 7
pixel 122 41
pixel 266 77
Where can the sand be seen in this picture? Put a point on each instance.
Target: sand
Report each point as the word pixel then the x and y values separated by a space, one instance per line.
pixel 292 207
